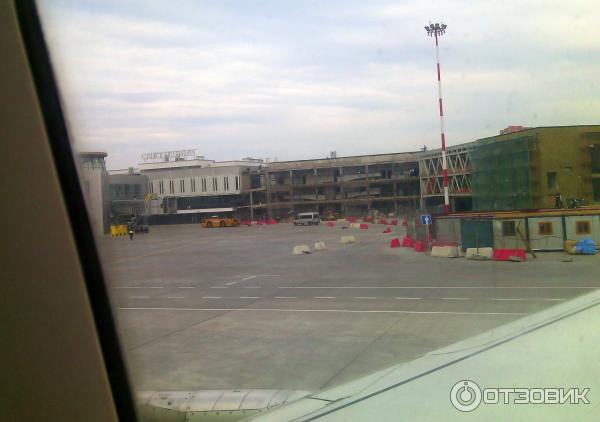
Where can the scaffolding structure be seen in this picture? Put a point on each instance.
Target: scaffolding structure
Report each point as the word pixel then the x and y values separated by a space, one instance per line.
pixel 459 168
pixel 501 174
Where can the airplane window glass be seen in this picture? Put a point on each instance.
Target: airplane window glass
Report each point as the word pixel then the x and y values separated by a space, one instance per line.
pixel 286 200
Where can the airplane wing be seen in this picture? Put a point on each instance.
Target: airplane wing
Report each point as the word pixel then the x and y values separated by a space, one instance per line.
pixel 542 355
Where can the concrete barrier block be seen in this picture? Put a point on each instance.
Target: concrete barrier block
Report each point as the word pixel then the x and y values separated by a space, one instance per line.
pixel 480 253
pixel 301 250
pixel 320 246
pixel 347 239
pixel 444 251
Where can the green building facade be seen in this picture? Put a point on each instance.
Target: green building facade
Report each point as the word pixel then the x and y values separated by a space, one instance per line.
pixel 526 169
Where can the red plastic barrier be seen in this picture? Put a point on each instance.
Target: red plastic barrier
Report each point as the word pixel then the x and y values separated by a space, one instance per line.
pixel 395 243
pixel 407 242
pixel 351 219
pixel 260 222
pixel 505 254
pixel 369 219
pixel 363 226
pixel 404 223
pixel 245 223
pixel 419 246
pixel 330 224
pixel 271 221
pixel 394 222
pixel 387 230
pixel 383 221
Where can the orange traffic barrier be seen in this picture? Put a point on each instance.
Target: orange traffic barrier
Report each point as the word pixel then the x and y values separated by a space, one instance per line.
pixel 363 226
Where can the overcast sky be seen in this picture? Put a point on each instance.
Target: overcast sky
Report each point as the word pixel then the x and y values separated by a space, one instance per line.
pixel 298 79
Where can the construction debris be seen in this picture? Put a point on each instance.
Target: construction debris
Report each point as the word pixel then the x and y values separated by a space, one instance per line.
pixel 320 246
pixel 444 251
pixel 348 239
pixel 301 250
pixel 480 254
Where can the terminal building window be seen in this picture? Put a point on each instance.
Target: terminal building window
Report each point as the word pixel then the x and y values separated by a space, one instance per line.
pixel 552 180
pixel 161 187
pixel 182 185
pixel 171 186
pixel 595 157
pixel 203 184
pixel 508 228
pixel 583 227
pixel 226 183
pixel 193 184
pixel 545 228
pixel 215 185
pixel 237 182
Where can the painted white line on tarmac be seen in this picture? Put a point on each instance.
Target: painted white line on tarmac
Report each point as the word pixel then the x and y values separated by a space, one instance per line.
pixel 175 297
pixel 365 297
pixel 554 299
pixel 324 297
pixel 250 277
pixel 186 287
pixel 454 298
pixel 409 298
pixel 509 299
pixel 439 287
pixel 140 297
pixel 341 311
pixel 218 287
pixel 249 297
pixel 231 283
pixel 251 287
pixel 211 297
pixel 285 297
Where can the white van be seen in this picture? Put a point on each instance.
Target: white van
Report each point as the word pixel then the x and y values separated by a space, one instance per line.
pixel 307 219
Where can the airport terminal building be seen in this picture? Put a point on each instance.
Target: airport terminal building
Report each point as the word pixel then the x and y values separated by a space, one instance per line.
pixel 521 168
pixel 192 187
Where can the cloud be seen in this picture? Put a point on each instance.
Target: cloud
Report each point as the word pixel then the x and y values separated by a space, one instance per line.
pixel 296 80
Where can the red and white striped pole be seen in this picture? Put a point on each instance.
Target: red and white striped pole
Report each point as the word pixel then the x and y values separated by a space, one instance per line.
pixel 437 30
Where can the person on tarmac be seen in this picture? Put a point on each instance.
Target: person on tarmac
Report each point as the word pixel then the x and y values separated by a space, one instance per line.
pixel 130 230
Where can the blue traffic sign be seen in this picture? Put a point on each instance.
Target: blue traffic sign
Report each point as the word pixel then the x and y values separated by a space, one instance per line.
pixel 426 219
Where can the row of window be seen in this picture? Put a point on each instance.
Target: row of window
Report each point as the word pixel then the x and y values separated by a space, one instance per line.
pixel 126 189
pixel 546 228
pixel 191 185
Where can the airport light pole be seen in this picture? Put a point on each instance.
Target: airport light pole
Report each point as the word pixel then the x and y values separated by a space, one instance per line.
pixel 437 30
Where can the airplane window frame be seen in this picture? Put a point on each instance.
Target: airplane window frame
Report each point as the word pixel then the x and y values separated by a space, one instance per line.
pixel 48 96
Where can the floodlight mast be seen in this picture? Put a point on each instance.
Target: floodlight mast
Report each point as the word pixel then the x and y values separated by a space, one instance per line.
pixel 437 30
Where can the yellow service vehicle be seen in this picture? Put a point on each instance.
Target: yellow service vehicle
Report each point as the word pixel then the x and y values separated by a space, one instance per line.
pixel 215 221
